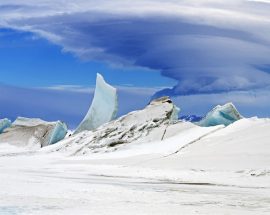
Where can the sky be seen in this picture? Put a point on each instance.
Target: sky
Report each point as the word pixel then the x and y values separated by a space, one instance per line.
pixel 201 53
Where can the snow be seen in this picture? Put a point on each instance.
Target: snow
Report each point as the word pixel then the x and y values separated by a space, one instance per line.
pixel 4 124
pixel 221 115
pixel 226 171
pixel 103 109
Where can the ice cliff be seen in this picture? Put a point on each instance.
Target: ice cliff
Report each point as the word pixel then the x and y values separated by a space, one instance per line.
pixel 103 108
pixel 33 133
pixel 221 115
pixel 4 124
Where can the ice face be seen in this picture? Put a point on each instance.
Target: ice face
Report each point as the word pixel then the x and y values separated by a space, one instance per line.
pixel 4 124
pixel 174 116
pixel 221 115
pixel 58 133
pixel 103 109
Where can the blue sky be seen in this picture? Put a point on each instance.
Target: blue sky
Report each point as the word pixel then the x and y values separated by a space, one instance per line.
pixel 201 53
pixel 31 61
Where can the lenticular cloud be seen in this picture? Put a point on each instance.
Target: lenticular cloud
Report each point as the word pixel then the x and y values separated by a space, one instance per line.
pixel 207 47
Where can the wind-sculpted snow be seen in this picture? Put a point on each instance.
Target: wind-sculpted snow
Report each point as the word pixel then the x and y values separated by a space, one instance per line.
pixel 4 124
pixel 221 115
pixel 33 133
pixel 103 109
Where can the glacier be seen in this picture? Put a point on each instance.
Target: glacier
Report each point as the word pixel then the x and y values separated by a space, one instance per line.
pixel 221 115
pixel 33 133
pixel 4 124
pixel 104 106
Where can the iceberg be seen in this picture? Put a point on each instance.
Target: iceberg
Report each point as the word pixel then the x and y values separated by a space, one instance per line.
pixel 221 115
pixel 103 108
pixel 33 133
pixel 4 124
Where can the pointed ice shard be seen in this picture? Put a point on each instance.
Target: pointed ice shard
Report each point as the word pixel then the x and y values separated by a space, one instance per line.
pixel 104 106
pixel 221 115
pixel 4 124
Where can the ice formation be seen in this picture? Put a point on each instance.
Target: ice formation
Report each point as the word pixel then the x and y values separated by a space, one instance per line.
pixel 58 133
pixel 158 121
pixel 33 133
pixel 4 124
pixel 174 116
pixel 103 108
pixel 221 115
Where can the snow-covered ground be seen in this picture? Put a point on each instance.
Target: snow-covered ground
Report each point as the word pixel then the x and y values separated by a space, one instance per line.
pixel 212 170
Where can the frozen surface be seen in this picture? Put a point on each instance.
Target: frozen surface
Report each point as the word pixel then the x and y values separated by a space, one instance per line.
pixel 221 115
pixel 33 133
pixel 194 170
pixel 4 124
pixel 103 108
